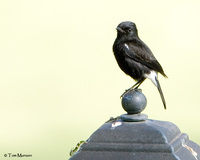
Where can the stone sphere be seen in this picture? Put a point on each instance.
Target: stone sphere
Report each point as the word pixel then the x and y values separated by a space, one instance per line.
pixel 134 101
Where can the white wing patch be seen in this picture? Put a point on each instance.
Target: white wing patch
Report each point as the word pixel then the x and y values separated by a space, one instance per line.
pixel 126 45
pixel 152 75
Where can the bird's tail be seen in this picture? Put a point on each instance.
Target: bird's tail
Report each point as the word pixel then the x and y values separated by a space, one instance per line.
pixel 161 93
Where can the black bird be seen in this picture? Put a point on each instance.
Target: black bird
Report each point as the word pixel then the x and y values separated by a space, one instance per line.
pixel 135 58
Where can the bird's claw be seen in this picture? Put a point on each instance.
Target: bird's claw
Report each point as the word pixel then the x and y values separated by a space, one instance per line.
pixel 126 91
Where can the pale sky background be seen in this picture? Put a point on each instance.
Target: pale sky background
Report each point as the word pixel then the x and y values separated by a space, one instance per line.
pixel 59 78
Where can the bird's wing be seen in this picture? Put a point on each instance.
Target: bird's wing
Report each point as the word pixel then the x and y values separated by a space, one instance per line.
pixel 139 52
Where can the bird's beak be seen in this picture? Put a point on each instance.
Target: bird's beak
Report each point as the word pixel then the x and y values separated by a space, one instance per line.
pixel 120 30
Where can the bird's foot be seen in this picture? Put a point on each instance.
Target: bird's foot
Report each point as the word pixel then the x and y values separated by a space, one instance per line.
pixel 128 90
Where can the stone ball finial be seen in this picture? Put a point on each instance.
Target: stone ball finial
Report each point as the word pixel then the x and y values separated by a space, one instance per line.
pixel 134 102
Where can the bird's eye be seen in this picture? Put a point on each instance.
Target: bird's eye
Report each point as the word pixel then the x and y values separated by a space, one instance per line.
pixel 129 30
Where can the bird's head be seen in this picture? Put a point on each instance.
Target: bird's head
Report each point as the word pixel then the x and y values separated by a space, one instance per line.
pixel 127 30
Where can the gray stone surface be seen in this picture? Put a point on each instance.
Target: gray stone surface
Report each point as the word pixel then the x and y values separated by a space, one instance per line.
pixel 144 140
pixel 132 136
pixel 134 117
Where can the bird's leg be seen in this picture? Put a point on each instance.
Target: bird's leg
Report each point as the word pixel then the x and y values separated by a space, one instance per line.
pixel 135 86
pixel 140 82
